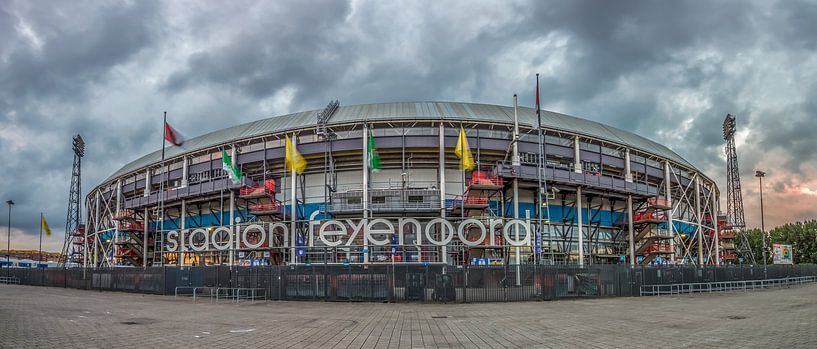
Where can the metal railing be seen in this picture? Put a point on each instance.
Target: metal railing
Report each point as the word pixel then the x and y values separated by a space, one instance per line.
pixel 9 280
pixel 194 291
pixel 706 287
pixel 236 294
pixel 415 282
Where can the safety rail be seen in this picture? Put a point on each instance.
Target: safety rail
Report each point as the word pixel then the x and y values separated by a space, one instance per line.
pixel 729 256
pixel 80 231
pixel 481 178
pixel 267 188
pixel 640 217
pixel 9 280
pixel 125 226
pixel 193 291
pixel 122 215
pixel 701 287
pixel 659 203
pixel 658 249
pixel 469 200
pixel 727 246
pixel 727 235
pixel 236 294
pixel 266 207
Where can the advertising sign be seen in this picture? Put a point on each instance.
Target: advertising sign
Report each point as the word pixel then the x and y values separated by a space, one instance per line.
pixel 782 254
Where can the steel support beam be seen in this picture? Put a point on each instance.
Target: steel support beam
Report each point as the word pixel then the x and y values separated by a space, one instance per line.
pixel 668 196
pixel 579 214
pixel 630 232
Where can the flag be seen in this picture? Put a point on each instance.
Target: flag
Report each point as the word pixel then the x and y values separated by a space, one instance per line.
pixel 463 152
pixel 232 169
pixel 173 136
pixel 538 112
pixel 45 226
pixel 294 160
pixel 374 157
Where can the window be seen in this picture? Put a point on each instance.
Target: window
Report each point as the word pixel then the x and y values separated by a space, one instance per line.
pixel 378 199
pixel 499 134
pixel 611 152
pixel 528 158
pixel 558 141
pixel 274 143
pixel 308 139
pixel 252 147
pixel 591 167
pixel 353 201
pixel 528 137
pixel 349 134
pixel 589 147
pixel 386 131
pixel 422 131
pixel 415 199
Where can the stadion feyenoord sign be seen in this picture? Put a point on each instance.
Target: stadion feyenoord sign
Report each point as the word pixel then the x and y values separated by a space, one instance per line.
pixel 348 232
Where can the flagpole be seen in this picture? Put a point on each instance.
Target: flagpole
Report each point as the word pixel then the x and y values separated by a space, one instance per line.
pixel 542 185
pixel 293 214
pixel 365 191
pixel 161 193
pixel 40 257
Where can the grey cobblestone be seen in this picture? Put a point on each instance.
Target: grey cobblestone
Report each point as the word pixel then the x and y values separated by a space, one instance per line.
pixel 43 317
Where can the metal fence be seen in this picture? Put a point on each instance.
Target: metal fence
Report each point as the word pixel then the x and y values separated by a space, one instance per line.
pixel 408 283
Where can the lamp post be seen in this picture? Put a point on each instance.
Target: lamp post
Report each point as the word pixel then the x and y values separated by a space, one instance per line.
pixel 8 248
pixel 760 175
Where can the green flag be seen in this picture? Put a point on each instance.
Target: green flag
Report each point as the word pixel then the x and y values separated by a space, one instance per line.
pixel 232 170
pixel 374 157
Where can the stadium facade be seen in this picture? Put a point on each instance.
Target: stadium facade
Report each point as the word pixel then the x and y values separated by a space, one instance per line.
pixel 572 191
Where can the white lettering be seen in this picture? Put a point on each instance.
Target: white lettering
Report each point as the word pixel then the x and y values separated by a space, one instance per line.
pixel 172 237
pixel 245 235
pixel 324 232
pixel 203 246
pixel 371 232
pixel 444 225
pixel 464 238
pixel 355 229
pixel 513 241
pixel 217 238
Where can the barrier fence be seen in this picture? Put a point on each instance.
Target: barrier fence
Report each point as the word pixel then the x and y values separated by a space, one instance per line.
pixel 415 283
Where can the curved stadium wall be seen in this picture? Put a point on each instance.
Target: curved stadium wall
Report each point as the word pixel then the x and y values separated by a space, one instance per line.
pixel 603 195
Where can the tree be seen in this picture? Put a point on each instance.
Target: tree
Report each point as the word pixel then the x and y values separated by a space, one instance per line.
pixel 756 242
pixel 801 235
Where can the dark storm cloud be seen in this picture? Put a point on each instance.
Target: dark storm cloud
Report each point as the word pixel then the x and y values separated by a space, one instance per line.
pixel 667 70
pixel 288 43
pixel 80 43
pixel 52 55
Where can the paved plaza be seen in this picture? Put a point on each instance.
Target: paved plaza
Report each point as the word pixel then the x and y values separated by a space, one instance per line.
pixel 44 317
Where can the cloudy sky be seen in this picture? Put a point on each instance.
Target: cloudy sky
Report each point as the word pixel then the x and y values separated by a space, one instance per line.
pixel 666 70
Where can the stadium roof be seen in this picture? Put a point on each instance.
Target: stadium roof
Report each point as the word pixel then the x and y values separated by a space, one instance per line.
pixel 410 111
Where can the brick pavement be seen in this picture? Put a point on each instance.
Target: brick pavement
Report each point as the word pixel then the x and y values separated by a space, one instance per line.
pixel 56 318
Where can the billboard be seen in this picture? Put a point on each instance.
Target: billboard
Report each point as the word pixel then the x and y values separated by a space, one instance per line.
pixel 782 254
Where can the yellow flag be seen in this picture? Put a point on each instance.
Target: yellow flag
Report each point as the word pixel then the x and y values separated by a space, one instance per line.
pixel 45 226
pixel 464 152
pixel 294 159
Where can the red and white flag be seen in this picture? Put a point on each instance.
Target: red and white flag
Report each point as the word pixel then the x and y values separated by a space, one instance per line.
pixel 173 136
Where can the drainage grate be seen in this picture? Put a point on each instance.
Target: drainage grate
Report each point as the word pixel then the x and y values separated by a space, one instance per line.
pixel 439 317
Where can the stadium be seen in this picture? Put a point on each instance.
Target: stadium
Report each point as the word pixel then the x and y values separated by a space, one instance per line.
pixel 387 184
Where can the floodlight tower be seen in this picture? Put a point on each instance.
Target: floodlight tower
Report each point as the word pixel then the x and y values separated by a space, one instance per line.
pixel 74 232
pixel 734 198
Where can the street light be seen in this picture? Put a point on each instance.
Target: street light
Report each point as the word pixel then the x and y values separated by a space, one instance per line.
pixel 760 175
pixel 8 249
